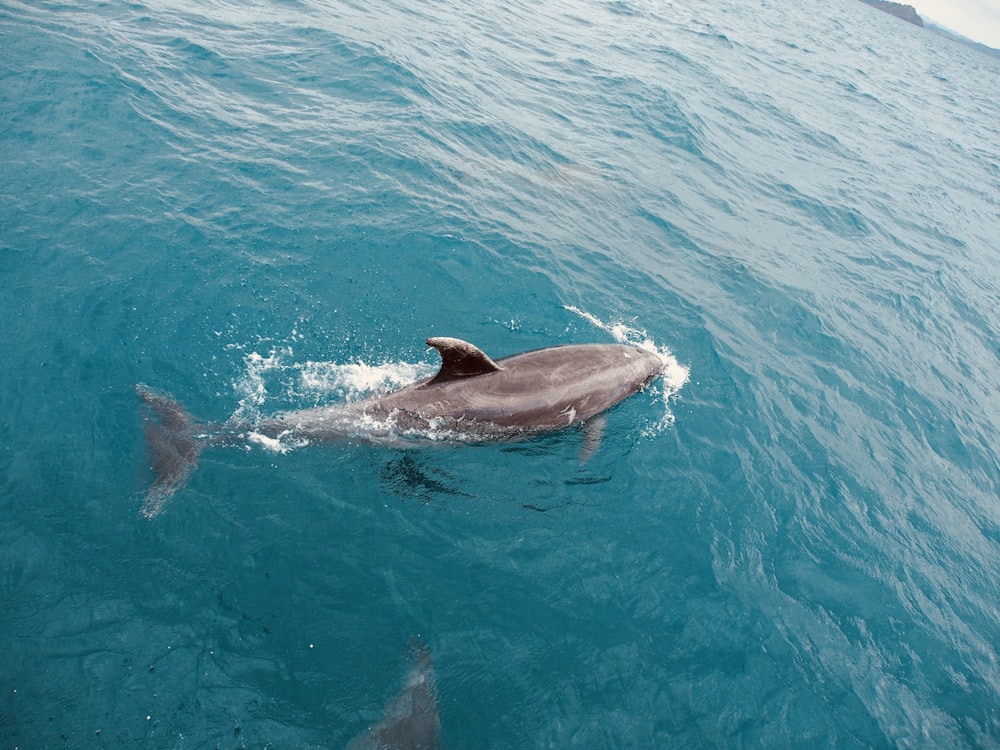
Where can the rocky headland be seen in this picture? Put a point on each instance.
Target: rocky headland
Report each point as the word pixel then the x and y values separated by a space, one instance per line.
pixel 906 12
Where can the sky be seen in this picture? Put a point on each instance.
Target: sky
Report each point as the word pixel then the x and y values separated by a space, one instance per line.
pixel 978 20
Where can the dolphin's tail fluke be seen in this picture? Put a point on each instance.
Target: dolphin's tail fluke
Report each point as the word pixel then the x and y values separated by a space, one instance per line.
pixel 172 444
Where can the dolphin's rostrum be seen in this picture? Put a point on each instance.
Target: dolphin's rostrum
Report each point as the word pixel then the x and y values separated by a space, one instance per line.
pixel 471 399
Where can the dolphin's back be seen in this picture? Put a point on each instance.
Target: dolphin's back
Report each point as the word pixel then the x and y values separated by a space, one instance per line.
pixel 533 391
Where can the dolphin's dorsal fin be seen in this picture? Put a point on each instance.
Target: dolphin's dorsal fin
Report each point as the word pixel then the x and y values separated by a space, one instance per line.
pixel 460 359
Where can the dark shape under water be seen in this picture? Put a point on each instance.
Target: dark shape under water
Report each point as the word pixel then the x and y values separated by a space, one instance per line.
pixel 406 477
pixel 410 720
pixel 471 399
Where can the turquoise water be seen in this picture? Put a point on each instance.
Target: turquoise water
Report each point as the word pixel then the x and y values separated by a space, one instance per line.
pixel 257 207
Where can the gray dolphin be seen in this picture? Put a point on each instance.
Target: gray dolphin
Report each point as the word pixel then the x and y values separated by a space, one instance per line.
pixel 471 399
pixel 410 720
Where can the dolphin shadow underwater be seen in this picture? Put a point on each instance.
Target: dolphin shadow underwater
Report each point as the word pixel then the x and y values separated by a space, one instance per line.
pixel 410 719
pixel 472 399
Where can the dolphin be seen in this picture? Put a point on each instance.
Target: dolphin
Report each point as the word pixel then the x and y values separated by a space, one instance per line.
pixel 471 399
pixel 410 720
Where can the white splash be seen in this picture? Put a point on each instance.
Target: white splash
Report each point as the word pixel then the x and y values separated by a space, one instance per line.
pixel 253 386
pixel 276 382
pixel 675 375
pixel 275 445
pixel 357 380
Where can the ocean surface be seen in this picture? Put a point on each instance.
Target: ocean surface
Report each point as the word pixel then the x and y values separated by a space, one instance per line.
pixel 790 540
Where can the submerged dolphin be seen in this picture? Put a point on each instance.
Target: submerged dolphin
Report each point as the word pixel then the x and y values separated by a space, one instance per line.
pixel 410 720
pixel 471 399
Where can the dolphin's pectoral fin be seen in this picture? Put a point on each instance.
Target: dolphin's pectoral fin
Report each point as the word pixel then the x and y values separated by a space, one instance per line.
pixel 460 359
pixel 593 429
